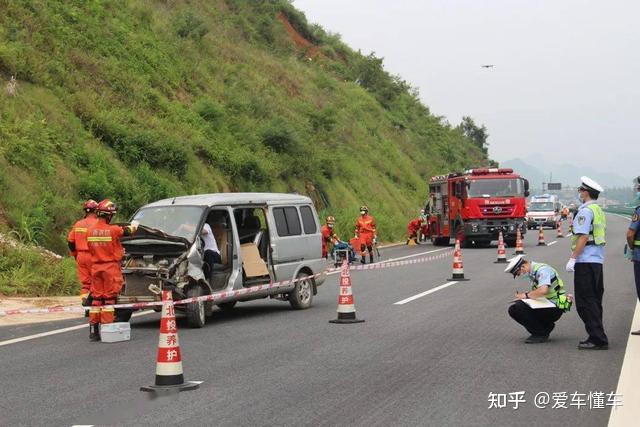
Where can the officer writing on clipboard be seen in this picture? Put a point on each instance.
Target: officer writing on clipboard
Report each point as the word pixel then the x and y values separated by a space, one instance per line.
pixel 587 259
pixel 545 283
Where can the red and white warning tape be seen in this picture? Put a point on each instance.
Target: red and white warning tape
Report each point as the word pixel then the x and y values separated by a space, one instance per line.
pixel 218 296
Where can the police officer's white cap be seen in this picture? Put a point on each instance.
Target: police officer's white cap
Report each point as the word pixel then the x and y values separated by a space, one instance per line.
pixel 514 264
pixel 588 182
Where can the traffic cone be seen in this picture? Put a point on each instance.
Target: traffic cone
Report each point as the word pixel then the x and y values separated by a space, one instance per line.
pixel 502 253
pixel 458 269
pixel 346 306
pixel 519 244
pixel 559 234
pixel 169 376
pixel 541 241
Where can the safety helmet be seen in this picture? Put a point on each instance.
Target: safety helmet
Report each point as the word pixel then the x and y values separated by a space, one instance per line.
pixel 364 208
pixel 90 206
pixel 330 220
pixel 106 208
pixel 421 211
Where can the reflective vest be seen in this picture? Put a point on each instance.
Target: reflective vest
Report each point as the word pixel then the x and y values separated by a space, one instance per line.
pixel 556 294
pixel 597 230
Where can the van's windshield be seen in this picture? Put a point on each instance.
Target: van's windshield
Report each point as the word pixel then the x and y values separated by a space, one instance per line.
pixel 178 221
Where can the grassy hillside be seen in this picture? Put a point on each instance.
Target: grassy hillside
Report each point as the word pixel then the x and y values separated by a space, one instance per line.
pixel 143 99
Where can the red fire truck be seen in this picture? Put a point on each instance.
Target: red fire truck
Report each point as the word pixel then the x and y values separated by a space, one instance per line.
pixel 476 205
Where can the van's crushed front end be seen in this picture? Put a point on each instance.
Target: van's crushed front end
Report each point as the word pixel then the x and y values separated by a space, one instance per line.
pixel 154 259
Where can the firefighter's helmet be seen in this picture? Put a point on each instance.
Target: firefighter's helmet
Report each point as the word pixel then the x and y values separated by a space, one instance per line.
pixel 90 206
pixel 364 208
pixel 331 220
pixel 106 208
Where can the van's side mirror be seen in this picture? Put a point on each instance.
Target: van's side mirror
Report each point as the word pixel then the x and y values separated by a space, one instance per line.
pixel 526 188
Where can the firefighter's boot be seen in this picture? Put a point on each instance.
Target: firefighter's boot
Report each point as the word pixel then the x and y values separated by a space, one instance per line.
pixel 94 332
pixel 370 258
pixel 362 260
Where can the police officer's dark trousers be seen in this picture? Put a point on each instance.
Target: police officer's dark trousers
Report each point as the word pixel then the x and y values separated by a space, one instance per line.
pixel 636 275
pixel 539 322
pixel 589 287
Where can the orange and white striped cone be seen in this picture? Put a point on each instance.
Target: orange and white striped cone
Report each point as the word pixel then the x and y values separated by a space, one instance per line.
pixel 346 306
pixel 541 241
pixel 519 244
pixel 169 376
pixel 458 269
pixel 502 253
pixel 559 234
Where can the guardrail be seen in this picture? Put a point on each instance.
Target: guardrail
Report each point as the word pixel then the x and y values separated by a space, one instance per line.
pixel 620 210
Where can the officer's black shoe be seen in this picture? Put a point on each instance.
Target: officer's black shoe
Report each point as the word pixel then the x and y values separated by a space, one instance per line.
pixel 636 332
pixel 585 341
pixel 591 346
pixel 362 260
pixel 94 332
pixel 537 339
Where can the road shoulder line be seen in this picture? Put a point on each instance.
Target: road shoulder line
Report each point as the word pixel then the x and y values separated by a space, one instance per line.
pixel 629 413
pixel 58 331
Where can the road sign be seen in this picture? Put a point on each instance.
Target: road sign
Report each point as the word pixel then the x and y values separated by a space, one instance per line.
pixel 554 186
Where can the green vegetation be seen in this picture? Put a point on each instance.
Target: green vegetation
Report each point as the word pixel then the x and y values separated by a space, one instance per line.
pixel 144 99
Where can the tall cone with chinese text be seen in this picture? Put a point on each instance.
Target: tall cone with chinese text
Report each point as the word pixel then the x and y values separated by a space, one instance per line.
pixel 346 306
pixel 169 374
pixel 541 241
pixel 458 269
pixel 502 253
pixel 519 245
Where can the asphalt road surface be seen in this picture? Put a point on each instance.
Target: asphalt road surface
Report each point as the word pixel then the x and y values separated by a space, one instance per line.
pixel 431 361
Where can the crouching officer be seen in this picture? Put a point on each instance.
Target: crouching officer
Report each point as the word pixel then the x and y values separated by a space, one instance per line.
pixel 545 282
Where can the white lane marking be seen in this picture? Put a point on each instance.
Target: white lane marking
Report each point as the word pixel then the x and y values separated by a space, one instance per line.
pixel 398 259
pixel 420 295
pixel 628 390
pixel 58 331
pixel 552 243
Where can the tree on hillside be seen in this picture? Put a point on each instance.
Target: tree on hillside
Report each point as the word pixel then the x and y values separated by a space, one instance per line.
pixel 472 131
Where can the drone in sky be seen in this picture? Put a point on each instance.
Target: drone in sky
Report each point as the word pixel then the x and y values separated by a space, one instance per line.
pixel 487 66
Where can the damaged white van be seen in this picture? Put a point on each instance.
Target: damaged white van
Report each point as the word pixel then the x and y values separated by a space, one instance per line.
pixel 261 238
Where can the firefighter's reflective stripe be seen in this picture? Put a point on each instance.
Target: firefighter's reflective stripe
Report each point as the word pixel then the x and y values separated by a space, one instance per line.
pixel 99 239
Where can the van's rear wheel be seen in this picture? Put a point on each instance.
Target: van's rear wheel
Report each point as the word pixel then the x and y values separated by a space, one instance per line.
pixel 302 295
pixel 196 313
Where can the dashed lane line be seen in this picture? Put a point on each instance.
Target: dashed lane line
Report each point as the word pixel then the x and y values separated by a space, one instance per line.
pixel 552 243
pixel 423 294
pixel 58 331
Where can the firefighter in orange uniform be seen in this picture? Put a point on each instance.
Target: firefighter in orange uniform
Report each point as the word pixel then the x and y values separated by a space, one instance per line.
pixel 77 241
pixel 328 235
pixel 412 229
pixel 366 233
pixel 106 276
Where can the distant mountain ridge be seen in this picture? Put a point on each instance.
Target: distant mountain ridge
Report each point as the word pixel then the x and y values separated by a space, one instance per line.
pixel 567 174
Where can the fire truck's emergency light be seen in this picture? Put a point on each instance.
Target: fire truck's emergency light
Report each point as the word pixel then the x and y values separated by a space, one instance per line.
pixel 486 171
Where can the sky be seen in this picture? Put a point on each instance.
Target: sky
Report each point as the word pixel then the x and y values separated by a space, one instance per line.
pixel 566 80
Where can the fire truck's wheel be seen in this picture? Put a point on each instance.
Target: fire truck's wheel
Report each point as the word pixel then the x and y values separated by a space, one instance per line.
pixel 196 312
